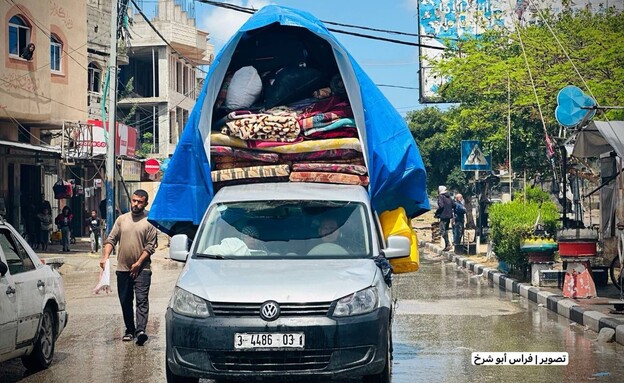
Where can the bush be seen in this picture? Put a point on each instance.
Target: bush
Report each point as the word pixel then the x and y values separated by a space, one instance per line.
pixel 513 220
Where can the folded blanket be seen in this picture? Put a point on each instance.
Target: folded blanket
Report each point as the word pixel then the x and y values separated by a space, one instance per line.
pixel 262 126
pixel 339 133
pixel 326 177
pixel 235 164
pixel 245 181
pixel 323 155
pixel 217 151
pixel 329 167
pixel 321 119
pixel 336 124
pixel 298 147
pixel 354 161
pixel 268 144
pixel 336 104
pixel 250 172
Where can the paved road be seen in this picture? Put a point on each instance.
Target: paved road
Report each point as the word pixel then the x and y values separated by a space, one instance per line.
pixel 443 314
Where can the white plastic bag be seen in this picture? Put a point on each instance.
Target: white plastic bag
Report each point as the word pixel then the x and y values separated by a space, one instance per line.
pixel 244 89
pixel 104 282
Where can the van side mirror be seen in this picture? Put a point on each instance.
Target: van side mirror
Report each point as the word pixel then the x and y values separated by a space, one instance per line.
pixel 178 248
pixel 3 268
pixel 398 247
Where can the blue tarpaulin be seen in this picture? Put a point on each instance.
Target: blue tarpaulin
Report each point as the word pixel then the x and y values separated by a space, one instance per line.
pixel 396 171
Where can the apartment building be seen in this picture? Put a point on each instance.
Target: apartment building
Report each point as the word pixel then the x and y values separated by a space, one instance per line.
pixel 159 86
pixel 40 90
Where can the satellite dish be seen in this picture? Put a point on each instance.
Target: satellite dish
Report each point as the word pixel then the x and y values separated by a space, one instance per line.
pixel 570 103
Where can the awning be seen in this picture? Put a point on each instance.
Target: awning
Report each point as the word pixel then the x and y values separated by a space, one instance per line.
pixel 600 137
pixel 36 148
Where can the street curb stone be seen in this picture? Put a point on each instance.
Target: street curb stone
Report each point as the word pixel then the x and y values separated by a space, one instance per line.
pixel 567 308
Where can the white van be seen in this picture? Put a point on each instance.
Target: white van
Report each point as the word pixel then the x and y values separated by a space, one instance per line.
pixel 282 279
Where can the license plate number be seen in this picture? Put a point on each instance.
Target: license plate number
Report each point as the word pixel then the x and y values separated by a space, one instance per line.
pixel 269 340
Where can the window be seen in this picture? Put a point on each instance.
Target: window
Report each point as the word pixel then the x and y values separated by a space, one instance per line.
pixel 56 48
pixel 19 35
pixel 16 256
pixel 95 78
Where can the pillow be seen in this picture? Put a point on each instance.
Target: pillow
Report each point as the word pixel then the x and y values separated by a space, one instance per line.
pixel 292 84
pixel 244 89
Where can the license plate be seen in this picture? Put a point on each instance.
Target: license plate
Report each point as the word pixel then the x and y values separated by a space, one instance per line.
pixel 268 340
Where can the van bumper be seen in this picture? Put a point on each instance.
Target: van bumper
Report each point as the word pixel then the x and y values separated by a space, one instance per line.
pixel 334 347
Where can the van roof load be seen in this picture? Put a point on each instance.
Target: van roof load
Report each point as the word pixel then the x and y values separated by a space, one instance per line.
pixel 395 169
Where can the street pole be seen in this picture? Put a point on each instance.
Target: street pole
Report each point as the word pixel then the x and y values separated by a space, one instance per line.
pixel 479 217
pixel 509 134
pixel 112 131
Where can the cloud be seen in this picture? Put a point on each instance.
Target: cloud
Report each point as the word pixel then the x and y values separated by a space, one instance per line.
pixel 222 23
pixel 411 5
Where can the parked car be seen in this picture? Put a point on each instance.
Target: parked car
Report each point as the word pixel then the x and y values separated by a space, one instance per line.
pixel 32 302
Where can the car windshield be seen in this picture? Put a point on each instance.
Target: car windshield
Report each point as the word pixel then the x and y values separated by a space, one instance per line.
pixel 285 229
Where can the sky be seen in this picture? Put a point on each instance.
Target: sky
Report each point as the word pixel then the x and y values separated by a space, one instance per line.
pixel 385 62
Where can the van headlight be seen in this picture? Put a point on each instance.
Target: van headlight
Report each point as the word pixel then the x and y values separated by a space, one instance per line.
pixel 185 303
pixel 362 302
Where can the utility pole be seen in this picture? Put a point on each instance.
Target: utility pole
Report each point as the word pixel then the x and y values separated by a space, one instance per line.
pixel 112 120
pixel 509 134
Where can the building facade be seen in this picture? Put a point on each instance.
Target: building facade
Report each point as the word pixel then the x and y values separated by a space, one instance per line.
pixel 40 90
pixel 160 84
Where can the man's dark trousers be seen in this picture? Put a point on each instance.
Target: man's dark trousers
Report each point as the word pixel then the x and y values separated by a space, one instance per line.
pixel 128 288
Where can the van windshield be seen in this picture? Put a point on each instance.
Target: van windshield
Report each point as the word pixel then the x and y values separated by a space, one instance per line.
pixel 285 229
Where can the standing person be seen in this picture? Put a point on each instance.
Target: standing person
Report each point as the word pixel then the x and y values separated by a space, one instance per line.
pixel 137 240
pixel 94 227
pixel 444 213
pixel 459 211
pixel 44 204
pixel 45 225
pixel 63 221
pixel 28 52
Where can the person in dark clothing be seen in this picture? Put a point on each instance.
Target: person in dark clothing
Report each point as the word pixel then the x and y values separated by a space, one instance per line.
pixel 45 225
pixel 44 204
pixel 28 52
pixel 444 213
pixel 459 211
pixel 93 224
pixel 63 221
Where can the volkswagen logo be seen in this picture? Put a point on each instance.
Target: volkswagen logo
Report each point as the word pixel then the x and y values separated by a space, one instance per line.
pixel 269 311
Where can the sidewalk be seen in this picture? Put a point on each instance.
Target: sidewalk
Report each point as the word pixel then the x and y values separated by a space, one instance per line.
pixel 593 313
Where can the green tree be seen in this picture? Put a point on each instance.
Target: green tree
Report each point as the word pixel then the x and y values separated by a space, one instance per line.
pixel 145 146
pixel 481 68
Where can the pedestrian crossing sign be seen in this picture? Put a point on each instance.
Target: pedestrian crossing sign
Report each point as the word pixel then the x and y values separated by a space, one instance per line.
pixel 472 157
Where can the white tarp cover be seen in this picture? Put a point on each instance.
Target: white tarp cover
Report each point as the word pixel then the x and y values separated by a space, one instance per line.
pixel 600 137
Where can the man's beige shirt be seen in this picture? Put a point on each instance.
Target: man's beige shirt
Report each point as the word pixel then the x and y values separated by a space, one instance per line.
pixel 134 234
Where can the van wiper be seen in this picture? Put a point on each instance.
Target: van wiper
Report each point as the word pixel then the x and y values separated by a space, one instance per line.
pixel 212 256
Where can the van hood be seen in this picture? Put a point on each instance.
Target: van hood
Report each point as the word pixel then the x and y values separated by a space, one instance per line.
pixel 284 281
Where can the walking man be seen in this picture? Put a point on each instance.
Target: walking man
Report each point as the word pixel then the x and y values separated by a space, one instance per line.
pixel 459 211
pixel 137 240
pixel 444 213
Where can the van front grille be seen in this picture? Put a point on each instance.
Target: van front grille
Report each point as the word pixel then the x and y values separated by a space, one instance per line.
pixel 221 309
pixel 270 360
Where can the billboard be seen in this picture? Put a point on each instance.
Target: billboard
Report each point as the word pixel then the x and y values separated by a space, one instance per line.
pixel 443 22
pixel 125 142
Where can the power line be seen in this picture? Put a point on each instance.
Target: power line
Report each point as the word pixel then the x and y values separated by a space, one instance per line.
pixel 242 9
pixel 396 86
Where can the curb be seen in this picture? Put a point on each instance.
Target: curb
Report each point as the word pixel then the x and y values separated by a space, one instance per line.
pixel 565 307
